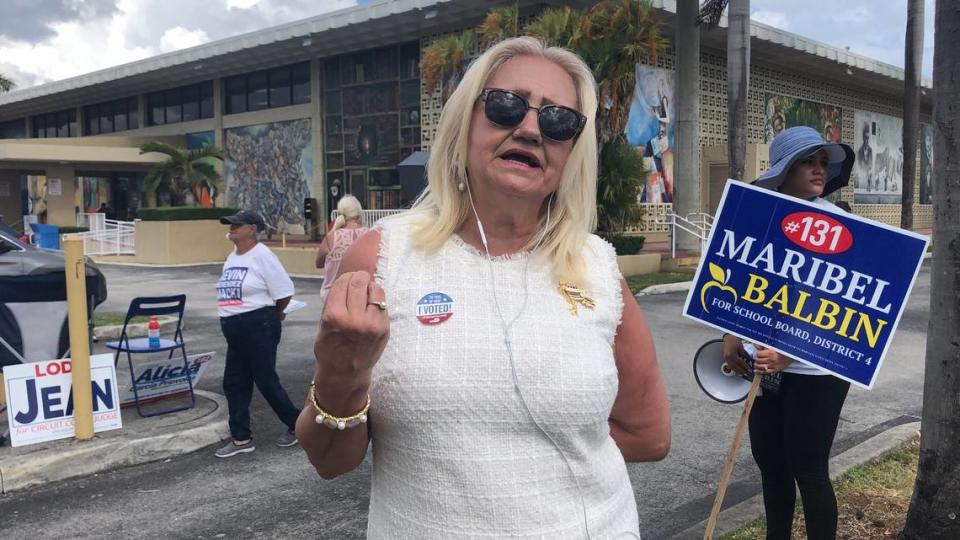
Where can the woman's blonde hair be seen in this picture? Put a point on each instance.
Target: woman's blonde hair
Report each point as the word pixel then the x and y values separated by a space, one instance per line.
pixel 347 209
pixel 573 213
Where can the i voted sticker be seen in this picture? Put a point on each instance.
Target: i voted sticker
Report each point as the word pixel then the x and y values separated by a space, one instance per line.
pixel 434 308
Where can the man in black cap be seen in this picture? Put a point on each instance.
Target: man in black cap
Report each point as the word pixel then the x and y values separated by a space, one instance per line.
pixel 252 293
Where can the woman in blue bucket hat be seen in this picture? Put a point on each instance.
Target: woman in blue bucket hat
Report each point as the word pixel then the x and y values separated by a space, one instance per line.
pixel 792 430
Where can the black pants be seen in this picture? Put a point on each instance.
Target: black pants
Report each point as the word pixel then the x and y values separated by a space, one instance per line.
pixel 252 340
pixel 791 434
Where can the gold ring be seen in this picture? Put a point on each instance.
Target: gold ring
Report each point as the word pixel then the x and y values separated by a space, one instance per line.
pixel 382 304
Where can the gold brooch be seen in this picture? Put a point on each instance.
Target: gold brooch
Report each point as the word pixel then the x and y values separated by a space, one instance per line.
pixel 575 295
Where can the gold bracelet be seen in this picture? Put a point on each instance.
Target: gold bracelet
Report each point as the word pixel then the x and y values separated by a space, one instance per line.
pixel 334 422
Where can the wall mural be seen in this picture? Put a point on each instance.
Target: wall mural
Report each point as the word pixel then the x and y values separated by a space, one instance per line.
pixel 37 198
pixel 198 140
pixel 650 130
pixel 783 112
pixel 269 169
pixel 878 172
pixel 926 164
pixel 93 192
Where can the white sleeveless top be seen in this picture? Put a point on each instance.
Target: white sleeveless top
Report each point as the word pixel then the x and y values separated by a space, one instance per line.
pixel 456 454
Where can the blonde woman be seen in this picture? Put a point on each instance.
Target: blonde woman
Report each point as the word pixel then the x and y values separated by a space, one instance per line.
pixel 346 229
pixel 506 371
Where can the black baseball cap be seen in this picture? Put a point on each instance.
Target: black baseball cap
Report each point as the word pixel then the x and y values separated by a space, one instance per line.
pixel 244 217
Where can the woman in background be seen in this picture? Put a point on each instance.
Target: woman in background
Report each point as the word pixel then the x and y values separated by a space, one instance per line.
pixel 346 229
pixel 792 430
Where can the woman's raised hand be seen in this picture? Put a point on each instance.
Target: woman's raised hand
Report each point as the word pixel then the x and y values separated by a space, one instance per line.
pixel 353 331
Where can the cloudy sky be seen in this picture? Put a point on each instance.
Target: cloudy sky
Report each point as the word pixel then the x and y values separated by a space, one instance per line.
pixel 48 40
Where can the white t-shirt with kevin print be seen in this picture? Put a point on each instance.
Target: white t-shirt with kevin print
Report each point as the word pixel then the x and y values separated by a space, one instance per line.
pixel 251 281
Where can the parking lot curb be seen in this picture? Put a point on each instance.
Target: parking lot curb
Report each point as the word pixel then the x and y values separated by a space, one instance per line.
pixel 152 439
pixel 665 288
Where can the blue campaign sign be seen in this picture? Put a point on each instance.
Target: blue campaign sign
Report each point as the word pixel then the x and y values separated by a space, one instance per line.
pixel 806 279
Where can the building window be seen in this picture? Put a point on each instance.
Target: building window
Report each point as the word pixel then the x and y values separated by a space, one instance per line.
pixel 206 100
pixel 267 89
pixel 191 103
pixel 56 124
pixel 235 90
pixel 173 103
pixel 257 96
pixel 280 95
pixel 301 83
pixel 371 110
pixel 111 116
pixel 13 129
pixel 155 116
pixel 181 104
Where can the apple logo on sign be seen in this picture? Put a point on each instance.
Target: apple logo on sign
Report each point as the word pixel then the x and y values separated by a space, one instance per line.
pixel 720 279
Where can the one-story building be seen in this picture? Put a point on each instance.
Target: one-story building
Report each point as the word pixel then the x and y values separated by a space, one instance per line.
pixel 309 110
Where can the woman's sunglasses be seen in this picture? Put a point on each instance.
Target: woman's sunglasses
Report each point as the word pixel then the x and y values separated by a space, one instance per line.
pixel 507 109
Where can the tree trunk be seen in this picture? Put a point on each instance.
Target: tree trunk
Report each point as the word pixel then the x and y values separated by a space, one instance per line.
pixel 686 172
pixel 935 508
pixel 738 83
pixel 913 59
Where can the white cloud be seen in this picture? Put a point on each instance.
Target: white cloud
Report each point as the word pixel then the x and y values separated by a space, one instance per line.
pixel 241 4
pixel 138 29
pixel 777 19
pixel 180 38
pixel 873 28
pixel 855 15
pixel 75 48
pixel 121 31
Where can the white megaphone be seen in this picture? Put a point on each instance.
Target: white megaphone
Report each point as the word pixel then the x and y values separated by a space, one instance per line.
pixel 716 378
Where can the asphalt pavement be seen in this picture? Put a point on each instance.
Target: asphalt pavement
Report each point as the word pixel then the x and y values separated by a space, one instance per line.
pixel 274 493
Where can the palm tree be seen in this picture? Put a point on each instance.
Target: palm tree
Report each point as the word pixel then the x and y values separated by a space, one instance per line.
pixel 686 160
pixel 612 37
pixel 738 83
pixel 185 172
pixel 618 187
pixel 738 75
pixel 443 60
pixel 936 494
pixel 913 58
pixel 6 84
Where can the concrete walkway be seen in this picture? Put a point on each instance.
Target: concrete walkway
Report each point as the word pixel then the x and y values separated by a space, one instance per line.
pixel 141 440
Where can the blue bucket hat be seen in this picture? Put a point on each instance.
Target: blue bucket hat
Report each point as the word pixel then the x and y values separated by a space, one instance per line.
pixel 797 143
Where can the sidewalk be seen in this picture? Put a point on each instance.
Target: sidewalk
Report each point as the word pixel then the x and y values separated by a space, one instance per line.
pixel 140 440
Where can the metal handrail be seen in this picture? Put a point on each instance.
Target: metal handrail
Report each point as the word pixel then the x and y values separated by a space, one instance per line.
pixel 93 221
pixel 697 223
pixel 111 237
pixel 704 219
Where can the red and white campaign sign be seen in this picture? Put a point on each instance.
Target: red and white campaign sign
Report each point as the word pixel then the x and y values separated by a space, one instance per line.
pixel 40 400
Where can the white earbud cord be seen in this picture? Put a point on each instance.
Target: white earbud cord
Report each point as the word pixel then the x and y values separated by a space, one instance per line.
pixel 509 343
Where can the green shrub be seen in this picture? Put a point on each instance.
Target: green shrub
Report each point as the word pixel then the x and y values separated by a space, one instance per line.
pixel 183 213
pixel 72 229
pixel 626 245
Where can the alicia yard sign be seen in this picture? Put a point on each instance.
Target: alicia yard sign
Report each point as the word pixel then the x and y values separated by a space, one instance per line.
pixel 162 379
pixel 805 279
pixel 40 400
